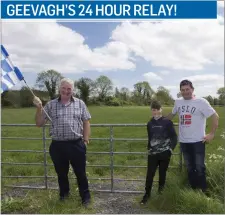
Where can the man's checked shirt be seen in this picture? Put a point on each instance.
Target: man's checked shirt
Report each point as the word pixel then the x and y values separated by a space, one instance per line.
pixel 67 120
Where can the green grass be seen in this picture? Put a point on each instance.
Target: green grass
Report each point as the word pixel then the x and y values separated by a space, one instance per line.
pixel 178 198
pixel 106 115
pixel 43 202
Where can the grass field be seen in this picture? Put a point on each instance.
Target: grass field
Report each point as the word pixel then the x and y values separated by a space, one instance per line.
pixel 45 201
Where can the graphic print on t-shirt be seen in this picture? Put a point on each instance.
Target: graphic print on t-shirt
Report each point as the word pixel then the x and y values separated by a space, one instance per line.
pixel 186 114
pixel 185 119
pixel 192 118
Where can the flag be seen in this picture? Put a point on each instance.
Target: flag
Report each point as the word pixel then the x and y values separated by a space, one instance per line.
pixel 185 119
pixel 10 75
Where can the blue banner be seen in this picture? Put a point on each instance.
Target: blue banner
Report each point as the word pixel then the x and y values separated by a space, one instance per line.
pixel 108 10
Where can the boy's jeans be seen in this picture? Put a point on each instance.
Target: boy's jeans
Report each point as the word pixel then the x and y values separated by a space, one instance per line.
pixel 162 160
pixel 194 158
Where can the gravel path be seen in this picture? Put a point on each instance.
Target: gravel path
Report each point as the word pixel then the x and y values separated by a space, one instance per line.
pixel 117 203
pixel 104 202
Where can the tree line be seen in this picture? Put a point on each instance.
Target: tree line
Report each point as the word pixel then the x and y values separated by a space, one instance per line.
pixel 94 92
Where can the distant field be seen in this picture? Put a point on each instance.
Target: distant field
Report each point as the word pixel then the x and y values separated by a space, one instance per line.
pixel 108 115
pixel 101 115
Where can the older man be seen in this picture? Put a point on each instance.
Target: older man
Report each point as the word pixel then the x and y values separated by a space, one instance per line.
pixel 70 130
pixel 193 112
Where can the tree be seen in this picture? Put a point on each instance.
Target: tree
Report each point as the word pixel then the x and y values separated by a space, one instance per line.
pixel 104 87
pixel 10 98
pixel 85 87
pixel 216 101
pixel 49 80
pixel 117 93
pixel 5 99
pixel 124 93
pixel 148 93
pixel 26 97
pixel 210 99
pixel 163 95
pixel 142 93
pixel 221 93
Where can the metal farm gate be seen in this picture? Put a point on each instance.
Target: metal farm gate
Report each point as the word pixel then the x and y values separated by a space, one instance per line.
pixel 111 153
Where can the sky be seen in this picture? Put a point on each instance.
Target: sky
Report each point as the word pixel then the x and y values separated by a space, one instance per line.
pixel 161 52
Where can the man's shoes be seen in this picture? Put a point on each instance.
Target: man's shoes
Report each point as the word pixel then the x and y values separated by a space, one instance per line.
pixel 145 199
pixel 86 202
pixel 62 198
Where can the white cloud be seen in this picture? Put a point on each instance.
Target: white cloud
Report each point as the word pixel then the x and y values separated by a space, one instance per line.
pixel 150 76
pixel 221 20
pixel 220 3
pixel 205 78
pixel 168 87
pixel 206 84
pixel 181 45
pixel 164 72
pixel 170 45
pixel 172 87
pixel 40 46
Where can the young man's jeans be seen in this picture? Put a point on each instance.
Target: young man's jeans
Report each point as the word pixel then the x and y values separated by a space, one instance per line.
pixel 194 158
pixel 162 161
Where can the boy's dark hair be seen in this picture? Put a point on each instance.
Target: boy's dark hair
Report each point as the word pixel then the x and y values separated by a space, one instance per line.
pixel 156 105
pixel 186 82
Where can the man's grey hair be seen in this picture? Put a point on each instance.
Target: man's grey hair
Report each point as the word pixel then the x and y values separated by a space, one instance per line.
pixel 68 81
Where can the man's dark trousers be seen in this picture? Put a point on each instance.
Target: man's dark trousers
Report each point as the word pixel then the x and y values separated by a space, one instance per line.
pixel 74 152
pixel 162 161
pixel 194 157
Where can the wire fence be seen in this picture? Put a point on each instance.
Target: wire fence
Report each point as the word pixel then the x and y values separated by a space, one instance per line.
pixel 111 139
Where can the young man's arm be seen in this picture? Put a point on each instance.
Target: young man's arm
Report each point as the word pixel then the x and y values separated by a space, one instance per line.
pixel 172 135
pixel 209 112
pixel 173 113
pixel 215 122
pixel 170 116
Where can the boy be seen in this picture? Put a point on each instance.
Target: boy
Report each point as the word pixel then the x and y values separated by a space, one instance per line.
pixel 162 139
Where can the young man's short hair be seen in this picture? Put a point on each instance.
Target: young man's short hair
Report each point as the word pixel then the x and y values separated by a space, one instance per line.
pixel 186 82
pixel 156 105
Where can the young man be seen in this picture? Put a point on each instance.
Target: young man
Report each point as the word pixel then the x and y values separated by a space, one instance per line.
pixel 162 139
pixel 193 112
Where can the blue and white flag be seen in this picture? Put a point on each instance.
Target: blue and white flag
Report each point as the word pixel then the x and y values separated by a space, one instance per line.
pixel 10 75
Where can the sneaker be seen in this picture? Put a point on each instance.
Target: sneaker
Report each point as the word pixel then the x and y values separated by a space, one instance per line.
pixel 86 203
pixel 145 199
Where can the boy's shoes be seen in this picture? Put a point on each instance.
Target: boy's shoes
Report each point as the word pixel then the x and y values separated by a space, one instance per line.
pixel 145 199
pixel 160 190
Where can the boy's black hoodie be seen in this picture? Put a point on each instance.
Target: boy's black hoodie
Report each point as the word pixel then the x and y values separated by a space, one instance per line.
pixel 161 135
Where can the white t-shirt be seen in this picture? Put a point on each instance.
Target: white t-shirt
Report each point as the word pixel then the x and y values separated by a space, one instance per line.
pixel 192 118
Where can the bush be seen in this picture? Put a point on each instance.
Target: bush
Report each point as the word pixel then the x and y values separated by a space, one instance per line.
pixel 113 102
pixel 178 198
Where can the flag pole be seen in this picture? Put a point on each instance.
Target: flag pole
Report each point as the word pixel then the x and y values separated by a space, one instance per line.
pixel 35 96
pixel 30 89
